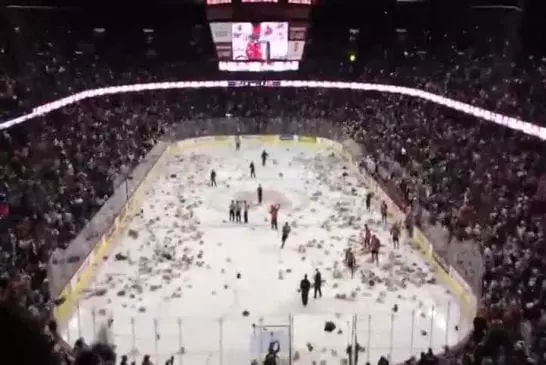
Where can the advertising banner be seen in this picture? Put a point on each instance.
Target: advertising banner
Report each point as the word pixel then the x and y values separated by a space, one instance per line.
pixel 65 293
pixel 329 143
pixel 221 32
pixel 418 237
pixel 459 280
pixel 123 215
pixel 286 137
pixel 295 50
pixel 440 261
pixel 297 32
pixel 254 83
pixel 110 233
pixel 268 138
pixel 307 139
pixel 223 51
pixel 203 139
pixel 81 271
pixel 98 248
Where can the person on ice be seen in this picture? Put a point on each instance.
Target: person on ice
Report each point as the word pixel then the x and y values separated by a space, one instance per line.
pixel 274 346
pixel 274 211
pixel 232 211
pixel 305 286
pixel 367 237
pixel 252 170
pixel 213 178
pixel 384 212
pixel 350 261
pixel 245 211
pixel 395 233
pixel 237 143
pixel 260 192
pixel 285 233
pixel 317 284
pixel 369 196
pixel 376 244
pixel 264 157
pixel 238 209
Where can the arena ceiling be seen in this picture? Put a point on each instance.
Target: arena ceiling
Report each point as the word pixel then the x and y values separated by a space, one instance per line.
pixel 38 3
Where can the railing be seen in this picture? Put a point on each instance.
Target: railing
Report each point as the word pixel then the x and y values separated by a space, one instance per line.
pixel 236 339
pixel 509 122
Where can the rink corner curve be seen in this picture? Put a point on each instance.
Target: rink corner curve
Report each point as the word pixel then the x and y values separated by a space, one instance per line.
pixel 126 202
pixel 446 274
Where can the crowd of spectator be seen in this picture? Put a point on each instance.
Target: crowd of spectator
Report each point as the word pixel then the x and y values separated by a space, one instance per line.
pixel 68 56
pixel 482 183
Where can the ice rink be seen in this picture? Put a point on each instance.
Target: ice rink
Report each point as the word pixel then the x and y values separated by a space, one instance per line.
pixel 187 283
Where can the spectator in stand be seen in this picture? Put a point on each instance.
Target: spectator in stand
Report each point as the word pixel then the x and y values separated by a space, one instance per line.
pixel 25 341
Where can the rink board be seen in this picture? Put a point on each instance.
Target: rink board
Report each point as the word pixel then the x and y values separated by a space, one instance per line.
pixel 143 177
pixel 86 273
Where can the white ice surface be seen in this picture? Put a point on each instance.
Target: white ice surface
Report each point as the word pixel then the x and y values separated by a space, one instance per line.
pixel 194 310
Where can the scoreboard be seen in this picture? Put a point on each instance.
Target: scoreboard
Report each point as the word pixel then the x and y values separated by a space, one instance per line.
pixel 259 35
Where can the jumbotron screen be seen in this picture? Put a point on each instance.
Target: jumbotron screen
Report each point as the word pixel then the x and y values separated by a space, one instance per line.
pixel 259 41
pixel 263 46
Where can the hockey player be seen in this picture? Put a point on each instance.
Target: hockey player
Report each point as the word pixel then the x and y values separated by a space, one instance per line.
pixel 350 261
pixel 274 346
pixel 317 284
pixel 273 349
pixel 375 249
pixel 285 233
pixel 347 252
pixel 252 170
pixel 383 212
pixel 245 211
pixel 238 209
pixel 369 196
pixel 264 157
pixel 395 233
pixel 213 178
pixel 274 211
pixel 260 193
pixel 367 237
pixel 232 211
pixel 237 143
pixel 305 286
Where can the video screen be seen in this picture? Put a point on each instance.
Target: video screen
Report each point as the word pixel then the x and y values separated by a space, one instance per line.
pixel 259 41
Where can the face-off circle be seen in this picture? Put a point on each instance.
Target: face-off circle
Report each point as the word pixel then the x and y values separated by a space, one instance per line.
pixel 289 200
pixel 269 197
